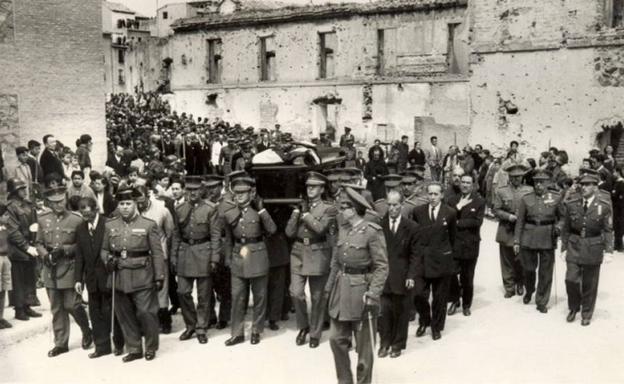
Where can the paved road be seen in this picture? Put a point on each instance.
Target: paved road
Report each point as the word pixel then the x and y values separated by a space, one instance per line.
pixel 503 341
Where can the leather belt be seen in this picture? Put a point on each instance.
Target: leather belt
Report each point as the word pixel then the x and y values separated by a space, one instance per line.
pixel 196 241
pixel 540 222
pixel 308 240
pixel 585 234
pixel 248 240
pixel 126 254
pixel 356 270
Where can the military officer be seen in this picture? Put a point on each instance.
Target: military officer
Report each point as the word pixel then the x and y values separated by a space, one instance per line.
pixel 310 257
pixel 535 237
pixel 56 245
pixel 245 225
pixel 359 269
pixel 506 201
pixel 194 256
pixel 586 235
pixel 133 253
pixel 391 182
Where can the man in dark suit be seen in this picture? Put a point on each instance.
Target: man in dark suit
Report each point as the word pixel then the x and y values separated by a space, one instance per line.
pixel 405 272
pixel 117 162
pixel 106 203
pixel 90 270
pixel 50 162
pixel 436 239
pixel 416 156
pixel 470 208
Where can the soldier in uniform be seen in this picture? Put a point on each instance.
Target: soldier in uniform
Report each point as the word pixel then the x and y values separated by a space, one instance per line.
pixel 535 238
pixel 245 225
pixel 133 253
pixel 586 235
pixel 194 256
pixel 391 182
pixel 56 245
pixel 506 200
pixel 359 269
pixel 310 257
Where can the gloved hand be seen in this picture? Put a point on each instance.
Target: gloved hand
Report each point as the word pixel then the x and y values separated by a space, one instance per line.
pixel 78 288
pixel 516 249
pixel 32 251
pixel 305 207
pixel 112 265
pixel 159 285
pixel 259 203
pixel 371 303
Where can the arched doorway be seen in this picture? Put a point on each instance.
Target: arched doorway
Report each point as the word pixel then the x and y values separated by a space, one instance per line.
pixel 612 134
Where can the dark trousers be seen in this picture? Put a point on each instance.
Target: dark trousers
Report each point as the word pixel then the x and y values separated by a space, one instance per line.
pixel 222 291
pixel 511 268
pixel 20 274
pixel 340 337
pixel 138 316
pixel 276 292
pixel 240 299
pixel 317 314
pixel 544 261
pixel 582 288
pixel 394 320
pixel 65 302
pixel 462 285
pixel 618 228
pixel 100 306
pixel 173 290
pixel 434 314
pixel 195 318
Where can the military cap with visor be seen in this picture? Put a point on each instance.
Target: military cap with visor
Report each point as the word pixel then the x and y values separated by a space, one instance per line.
pixel 193 182
pixel 55 194
pixel 392 180
pixel 315 179
pixel 542 174
pixel 516 170
pixel 243 184
pixel 353 198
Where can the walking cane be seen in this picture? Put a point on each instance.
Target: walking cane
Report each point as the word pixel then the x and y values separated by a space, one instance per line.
pixel 113 309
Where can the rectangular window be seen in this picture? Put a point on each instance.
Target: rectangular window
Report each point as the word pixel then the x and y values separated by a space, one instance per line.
pixel 214 61
pixel 121 23
pixel 121 56
pixel 267 59
pixel 380 52
pixel 165 15
pixel 327 48
pixel 121 78
pixel 451 56
pixel 386 51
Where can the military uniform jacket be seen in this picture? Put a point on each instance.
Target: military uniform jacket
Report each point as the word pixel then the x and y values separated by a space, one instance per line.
pixel 245 250
pixel 538 220
pixel 506 201
pixel 361 246
pixel 22 214
pixel 141 236
pixel 311 252
pixel 58 232
pixel 196 241
pixel 585 236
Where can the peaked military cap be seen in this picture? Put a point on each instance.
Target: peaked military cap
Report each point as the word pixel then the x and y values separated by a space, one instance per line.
pixel 542 174
pixel 392 180
pixel 193 182
pixel 243 184
pixel 55 194
pixel 126 194
pixel 213 180
pixel 315 178
pixel 589 179
pixel 354 197
pixel 516 170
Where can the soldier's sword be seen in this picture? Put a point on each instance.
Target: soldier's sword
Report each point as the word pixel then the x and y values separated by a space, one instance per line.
pixel 113 308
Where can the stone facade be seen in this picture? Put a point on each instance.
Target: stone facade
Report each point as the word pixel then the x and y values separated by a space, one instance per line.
pixel 51 75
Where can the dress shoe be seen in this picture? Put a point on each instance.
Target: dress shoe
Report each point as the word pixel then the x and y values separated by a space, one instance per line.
pixel 412 317
pixel 314 342
pixel 436 335
pixel 187 334
pixel 87 340
pixel 118 351
pixel 527 298
pixel 542 308
pixel 421 330
pixel 212 324
pixel 509 295
pixel 395 353
pixel 32 313
pixel 96 354
pixel 585 322
pixel 5 324
pixel 301 337
pixel 221 325
pixel 202 338
pixel 273 326
pixel 131 357
pixel 383 352
pixel 234 340
pixel 35 302
pixel 519 289
pixel 453 308
pixel 255 338
pixel 57 351
pixel 150 355
pixel 21 315
pixel 467 312
pixel 571 316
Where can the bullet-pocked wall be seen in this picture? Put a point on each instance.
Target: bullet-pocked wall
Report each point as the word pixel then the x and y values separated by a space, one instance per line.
pixel 51 73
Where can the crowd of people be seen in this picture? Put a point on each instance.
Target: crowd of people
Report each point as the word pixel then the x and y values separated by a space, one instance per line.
pixel 386 237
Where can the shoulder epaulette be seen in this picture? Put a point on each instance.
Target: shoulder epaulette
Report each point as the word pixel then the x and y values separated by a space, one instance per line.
pixel 45 214
pixel 111 219
pixel 148 219
pixel 376 227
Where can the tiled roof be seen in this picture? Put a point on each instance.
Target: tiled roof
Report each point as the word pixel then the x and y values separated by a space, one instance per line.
pixel 118 7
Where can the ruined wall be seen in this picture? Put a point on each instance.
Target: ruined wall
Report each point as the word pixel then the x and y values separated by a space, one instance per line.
pixel 51 74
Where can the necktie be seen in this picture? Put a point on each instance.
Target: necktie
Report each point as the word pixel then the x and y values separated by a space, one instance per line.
pixel 394 225
pixel 585 206
pixel 91 230
pixel 432 214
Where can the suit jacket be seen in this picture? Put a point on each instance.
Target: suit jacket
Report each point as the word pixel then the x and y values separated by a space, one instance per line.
pixel 469 221
pixel 89 267
pixel 50 163
pixel 436 239
pixel 405 261
pixel 119 166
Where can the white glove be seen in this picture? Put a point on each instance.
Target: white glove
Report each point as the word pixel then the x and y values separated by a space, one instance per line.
pixel 78 288
pixel 32 251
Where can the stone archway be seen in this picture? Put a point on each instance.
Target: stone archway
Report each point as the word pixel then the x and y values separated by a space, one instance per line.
pixel 611 132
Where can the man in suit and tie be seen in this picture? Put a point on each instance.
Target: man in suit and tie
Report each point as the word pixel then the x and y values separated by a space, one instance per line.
pixel 405 270
pixel 50 162
pixel 90 270
pixel 436 239
pixel 434 159
pixel 470 208
pixel 106 203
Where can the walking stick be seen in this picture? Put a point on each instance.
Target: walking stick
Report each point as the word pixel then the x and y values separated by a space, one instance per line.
pixel 113 309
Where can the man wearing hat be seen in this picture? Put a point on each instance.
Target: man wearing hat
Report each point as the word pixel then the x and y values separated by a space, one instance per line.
pixel 359 269
pixel 586 235
pixel 22 253
pixel 392 182
pixel 310 257
pixel 56 245
pixel 506 201
pixel 194 256
pixel 346 137
pixel 133 253
pixel 535 237
pixel 245 251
